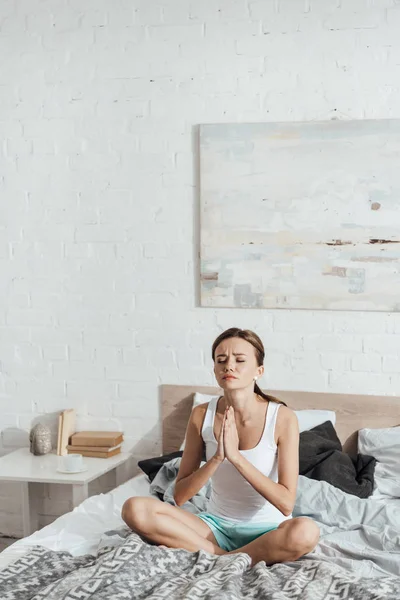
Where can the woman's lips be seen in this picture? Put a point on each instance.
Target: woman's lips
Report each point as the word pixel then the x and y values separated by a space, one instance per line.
pixel 229 377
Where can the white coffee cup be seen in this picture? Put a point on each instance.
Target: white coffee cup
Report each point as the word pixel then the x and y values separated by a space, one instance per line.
pixel 71 463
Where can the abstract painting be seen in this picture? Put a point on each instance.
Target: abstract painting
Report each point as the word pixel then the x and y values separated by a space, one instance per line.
pixel 301 215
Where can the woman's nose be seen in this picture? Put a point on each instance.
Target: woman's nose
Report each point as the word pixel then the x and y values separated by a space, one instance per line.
pixel 228 365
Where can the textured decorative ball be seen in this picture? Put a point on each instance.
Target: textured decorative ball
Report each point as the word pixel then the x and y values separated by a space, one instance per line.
pixel 40 439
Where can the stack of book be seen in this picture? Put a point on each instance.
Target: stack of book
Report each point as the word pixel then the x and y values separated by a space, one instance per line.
pixel 100 444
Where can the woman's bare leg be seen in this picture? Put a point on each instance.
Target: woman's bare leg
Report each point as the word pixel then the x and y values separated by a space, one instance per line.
pixel 168 525
pixel 293 538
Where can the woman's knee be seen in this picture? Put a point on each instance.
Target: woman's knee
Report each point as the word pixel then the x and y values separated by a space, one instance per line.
pixel 302 535
pixel 137 512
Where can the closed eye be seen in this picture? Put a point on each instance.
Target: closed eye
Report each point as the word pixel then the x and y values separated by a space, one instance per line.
pixel 237 360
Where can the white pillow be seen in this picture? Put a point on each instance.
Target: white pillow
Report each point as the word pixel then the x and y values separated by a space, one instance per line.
pixel 307 418
pixel 197 399
pixel 384 445
pixel 312 417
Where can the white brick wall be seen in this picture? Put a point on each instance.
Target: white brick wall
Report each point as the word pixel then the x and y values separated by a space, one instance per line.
pixel 99 103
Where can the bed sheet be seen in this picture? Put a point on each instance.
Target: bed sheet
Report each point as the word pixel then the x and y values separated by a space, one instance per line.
pixel 80 530
pixel 358 556
pixel 361 535
pixel 385 485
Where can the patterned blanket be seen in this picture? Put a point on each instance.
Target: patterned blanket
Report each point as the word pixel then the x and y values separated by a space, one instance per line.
pixel 126 568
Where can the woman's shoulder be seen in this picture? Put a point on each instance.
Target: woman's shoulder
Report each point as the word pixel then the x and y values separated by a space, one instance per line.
pixel 287 425
pixel 286 418
pixel 199 412
pixel 200 409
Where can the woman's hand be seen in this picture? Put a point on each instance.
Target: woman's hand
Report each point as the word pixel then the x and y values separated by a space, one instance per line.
pixel 231 437
pixel 220 453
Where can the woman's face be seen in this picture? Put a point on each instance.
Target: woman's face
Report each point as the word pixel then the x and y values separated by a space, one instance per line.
pixel 235 364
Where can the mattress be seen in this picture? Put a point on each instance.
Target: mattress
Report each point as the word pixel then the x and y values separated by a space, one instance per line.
pixel 79 531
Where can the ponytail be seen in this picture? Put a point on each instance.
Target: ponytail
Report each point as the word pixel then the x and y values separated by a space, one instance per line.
pixel 267 397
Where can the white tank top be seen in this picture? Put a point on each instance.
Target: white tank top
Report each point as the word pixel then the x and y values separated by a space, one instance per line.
pixel 232 496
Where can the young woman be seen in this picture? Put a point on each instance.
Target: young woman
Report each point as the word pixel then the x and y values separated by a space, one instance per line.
pixel 252 442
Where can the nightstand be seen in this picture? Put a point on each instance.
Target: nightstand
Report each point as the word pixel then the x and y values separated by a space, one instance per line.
pixel 31 470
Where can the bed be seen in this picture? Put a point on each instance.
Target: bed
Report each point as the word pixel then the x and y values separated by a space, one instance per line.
pixel 88 553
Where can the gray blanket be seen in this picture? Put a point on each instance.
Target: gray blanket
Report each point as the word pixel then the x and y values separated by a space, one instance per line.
pixel 128 568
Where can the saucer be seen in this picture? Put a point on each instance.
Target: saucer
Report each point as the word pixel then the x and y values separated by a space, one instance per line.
pixel 72 472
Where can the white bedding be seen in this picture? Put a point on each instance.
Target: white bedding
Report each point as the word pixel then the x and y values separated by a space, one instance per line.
pixel 363 536
pixel 79 531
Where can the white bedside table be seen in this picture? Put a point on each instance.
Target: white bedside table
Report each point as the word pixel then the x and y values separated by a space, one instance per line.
pixel 30 470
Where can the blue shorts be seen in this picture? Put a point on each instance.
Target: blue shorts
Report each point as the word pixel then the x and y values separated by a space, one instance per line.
pixel 231 535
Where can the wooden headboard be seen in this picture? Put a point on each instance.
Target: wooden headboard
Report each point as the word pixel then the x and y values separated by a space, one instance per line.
pixel 353 412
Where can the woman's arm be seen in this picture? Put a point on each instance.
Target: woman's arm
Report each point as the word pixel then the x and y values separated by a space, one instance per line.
pixel 190 478
pixel 282 494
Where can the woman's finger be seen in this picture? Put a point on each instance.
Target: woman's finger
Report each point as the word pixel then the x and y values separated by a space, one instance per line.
pixel 223 422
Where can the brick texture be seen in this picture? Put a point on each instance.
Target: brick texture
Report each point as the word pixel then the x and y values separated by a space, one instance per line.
pixel 99 107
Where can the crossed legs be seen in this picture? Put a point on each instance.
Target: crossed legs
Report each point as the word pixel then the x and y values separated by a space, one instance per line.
pixel 171 526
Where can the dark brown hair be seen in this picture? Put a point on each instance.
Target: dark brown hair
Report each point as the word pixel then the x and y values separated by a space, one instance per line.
pixel 254 340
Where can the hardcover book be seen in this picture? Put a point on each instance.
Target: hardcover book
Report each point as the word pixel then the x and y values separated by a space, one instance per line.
pixel 96 454
pixel 97 438
pixel 92 448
